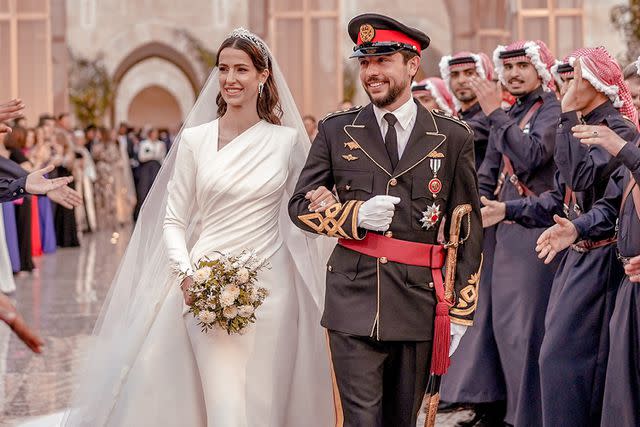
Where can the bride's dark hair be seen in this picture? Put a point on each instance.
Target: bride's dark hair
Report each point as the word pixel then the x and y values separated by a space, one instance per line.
pixel 268 104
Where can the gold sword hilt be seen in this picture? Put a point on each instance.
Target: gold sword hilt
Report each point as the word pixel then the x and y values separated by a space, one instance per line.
pixel 457 216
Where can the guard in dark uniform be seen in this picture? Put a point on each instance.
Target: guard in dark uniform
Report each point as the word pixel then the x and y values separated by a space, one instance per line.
pixel 573 356
pixel 456 71
pixel 620 207
pixel 519 163
pixel 399 171
pixel 476 372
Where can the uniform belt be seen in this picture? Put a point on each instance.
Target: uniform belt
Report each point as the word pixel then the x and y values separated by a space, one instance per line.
pixel 587 245
pixel 400 251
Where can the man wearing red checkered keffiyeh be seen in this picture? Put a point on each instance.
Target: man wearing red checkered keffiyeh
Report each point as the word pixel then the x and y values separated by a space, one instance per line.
pixel 573 351
pixel 456 72
pixel 518 164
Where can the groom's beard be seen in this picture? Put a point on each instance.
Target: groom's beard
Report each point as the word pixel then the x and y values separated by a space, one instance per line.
pixel 392 95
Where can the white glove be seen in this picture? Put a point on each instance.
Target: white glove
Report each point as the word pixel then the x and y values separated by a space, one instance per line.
pixel 457 331
pixel 376 213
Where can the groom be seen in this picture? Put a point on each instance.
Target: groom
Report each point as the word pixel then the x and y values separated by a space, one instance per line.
pixel 399 171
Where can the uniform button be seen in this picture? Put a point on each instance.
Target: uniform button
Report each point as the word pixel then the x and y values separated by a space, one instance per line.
pixel 383 260
pixel 15 194
pixel 430 285
pixel 393 182
pixel 21 190
pixel 388 234
pixel 329 268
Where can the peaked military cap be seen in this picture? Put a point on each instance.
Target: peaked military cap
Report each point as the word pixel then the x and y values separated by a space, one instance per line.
pixel 376 34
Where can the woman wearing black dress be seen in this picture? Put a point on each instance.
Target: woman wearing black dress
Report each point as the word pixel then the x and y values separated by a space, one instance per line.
pixel 14 143
pixel 64 158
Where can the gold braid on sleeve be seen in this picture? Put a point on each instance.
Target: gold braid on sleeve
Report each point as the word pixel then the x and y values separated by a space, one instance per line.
pixel 331 221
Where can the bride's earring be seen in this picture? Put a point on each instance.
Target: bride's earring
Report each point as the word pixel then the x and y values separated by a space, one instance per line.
pixel 260 87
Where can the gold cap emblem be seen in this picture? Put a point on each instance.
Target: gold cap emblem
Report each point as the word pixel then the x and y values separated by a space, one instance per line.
pixel 367 33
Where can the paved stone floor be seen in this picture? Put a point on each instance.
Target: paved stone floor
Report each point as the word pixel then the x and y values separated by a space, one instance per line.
pixel 62 301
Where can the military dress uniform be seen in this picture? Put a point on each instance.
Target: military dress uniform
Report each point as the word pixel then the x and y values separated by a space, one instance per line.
pixel 380 310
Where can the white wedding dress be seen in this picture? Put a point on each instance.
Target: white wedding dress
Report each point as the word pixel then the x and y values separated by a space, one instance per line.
pixel 148 363
pixel 278 373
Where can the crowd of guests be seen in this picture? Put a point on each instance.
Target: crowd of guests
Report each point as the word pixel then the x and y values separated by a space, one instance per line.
pixel 113 170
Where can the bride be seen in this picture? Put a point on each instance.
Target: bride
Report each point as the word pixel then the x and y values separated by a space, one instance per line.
pixel 223 189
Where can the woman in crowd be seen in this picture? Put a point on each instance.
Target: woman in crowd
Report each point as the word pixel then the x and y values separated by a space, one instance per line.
pixel 151 153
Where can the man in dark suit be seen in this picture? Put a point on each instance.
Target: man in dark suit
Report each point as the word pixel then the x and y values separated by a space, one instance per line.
pixel 399 171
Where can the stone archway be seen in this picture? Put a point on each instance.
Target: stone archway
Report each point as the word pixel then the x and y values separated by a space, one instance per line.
pixel 143 109
pixel 154 72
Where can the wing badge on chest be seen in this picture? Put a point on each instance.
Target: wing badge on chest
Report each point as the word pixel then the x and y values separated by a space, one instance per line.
pixel 349 157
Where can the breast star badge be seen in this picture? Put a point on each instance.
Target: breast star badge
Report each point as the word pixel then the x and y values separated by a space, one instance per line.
pixel 431 216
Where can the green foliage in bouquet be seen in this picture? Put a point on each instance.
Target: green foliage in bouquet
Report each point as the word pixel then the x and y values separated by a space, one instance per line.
pixel 225 292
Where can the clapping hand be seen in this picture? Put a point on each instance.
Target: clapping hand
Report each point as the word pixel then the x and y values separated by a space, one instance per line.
pixel 488 93
pixel 8 111
pixel 556 239
pixel 632 269
pixel 320 199
pixel 570 97
pixel 601 136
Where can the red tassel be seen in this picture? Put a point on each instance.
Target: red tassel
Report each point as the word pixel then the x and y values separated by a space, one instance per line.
pixel 441 340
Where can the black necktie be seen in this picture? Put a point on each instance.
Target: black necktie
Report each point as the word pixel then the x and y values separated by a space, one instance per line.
pixel 391 139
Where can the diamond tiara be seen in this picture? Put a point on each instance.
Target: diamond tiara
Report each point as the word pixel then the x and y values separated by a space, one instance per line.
pixel 243 33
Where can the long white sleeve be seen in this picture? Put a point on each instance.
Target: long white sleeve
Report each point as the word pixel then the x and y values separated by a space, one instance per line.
pixel 181 196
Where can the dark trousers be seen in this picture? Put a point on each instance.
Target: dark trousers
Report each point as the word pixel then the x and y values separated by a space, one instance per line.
pixel 381 383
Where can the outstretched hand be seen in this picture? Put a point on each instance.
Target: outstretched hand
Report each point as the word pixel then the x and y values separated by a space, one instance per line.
pixel 38 184
pixel 556 239
pixel 11 317
pixel 492 212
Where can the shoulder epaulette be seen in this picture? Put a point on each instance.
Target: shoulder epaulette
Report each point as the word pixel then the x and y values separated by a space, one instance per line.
pixel 445 115
pixel 341 112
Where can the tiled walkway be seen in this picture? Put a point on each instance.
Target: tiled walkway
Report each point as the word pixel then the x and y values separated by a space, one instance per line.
pixel 62 302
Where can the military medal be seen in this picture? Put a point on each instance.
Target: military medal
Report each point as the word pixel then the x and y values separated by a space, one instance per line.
pixel 430 217
pixel 435 185
pixel 349 157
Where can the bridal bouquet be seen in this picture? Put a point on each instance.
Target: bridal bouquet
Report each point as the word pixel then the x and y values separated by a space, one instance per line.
pixel 225 293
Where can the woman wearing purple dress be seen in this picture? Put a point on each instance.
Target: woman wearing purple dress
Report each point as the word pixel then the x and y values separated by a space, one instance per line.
pixel 11 235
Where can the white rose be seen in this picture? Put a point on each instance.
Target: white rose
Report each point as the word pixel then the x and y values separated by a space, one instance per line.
pixel 245 310
pixel 254 295
pixel 201 275
pixel 243 275
pixel 227 298
pixel 206 316
pixel 230 312
pixel 233 289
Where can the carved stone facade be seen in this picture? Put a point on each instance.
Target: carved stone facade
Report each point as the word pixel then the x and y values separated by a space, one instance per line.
pixel 150 59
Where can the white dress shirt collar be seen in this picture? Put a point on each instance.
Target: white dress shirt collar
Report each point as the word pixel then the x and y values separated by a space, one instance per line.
pixel 406 115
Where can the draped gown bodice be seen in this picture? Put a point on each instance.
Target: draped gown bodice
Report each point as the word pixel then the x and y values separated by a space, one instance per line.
pixel 233 194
